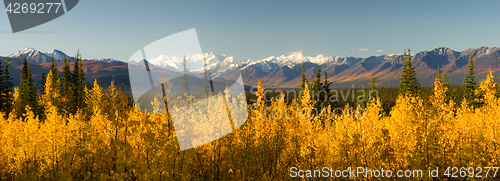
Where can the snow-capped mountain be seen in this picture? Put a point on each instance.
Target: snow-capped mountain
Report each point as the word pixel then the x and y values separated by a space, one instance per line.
pixel 31 54
pixel 195 63
pixel 285 70
pixel 58 55
pixel 39 57
pixel 28 52
pixel 220 65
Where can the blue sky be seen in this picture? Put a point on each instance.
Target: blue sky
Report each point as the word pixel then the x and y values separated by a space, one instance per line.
pixel 259 29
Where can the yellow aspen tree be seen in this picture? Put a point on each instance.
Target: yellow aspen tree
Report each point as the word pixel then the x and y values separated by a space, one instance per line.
pixel 18 105
pixel 53 131
pixel 488 118
pixel 52 95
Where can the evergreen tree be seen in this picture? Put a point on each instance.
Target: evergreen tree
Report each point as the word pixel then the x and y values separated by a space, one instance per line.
pixel 409 83
pixel 439 73
pixel 3 95
pixel 303 84
pixel 444 77
pixel 445 81
pixel 470 84
pixel 5 88
pixel 78 82
pixel 88 85
pixel 43 78
pixel 372 95
pixel 310 86
pixel 66 89
pixel 326 88
pixel 316 87
pixel 363 98
pixel 497 94
pixel 27 89
pixel 55 75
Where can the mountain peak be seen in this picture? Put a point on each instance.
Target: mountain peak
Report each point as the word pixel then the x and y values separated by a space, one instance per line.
pixel 54 50
pixel 58 55
pixel 27 52
pixel 29 49
pixel 442 50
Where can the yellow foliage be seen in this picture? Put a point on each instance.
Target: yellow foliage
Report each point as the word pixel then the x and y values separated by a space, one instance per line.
pixel 111 140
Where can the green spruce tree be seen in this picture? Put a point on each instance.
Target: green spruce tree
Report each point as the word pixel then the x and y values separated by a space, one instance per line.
pixel 409 84
pixel 27 89
pixel 43 79
pixel 66 89
pixel 5 89
pixel 326 89
pixel 470 84
pixel 303 84
pixel 55 77
pixel 78 81
pixel 316 85
pixel 315 90
pixel 439 72
pixel 372 95
pixel 55 74
pixel 363 96
pixel 445 81
pixel 497 94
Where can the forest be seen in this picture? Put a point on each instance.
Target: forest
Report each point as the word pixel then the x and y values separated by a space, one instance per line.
pixel 66 129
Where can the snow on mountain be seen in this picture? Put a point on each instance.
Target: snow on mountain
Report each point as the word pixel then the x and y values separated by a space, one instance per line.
pixel 481 51
pixel 29 53
pixel 195 63
pixel 32 54
pixel 165 62
pixel 220 64
pixel 58 55
pixel 266 65
pixel 39 57
pixel 105 60
pixel 217 64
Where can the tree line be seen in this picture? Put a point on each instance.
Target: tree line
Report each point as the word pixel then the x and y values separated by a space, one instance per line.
pixel 65 89
pixel 70 87
pixel 409 86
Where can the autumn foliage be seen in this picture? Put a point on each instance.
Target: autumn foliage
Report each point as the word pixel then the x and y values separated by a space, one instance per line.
pixel 109 139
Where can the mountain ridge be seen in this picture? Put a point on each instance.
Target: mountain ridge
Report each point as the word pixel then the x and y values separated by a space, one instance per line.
pixel 285 70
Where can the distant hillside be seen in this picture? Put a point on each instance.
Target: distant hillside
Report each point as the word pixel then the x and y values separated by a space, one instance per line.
pixel 94 70
pixel 386 69
pixel 284 71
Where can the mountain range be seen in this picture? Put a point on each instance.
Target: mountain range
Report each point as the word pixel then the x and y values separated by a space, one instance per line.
pixel 284 71
pixel 35 56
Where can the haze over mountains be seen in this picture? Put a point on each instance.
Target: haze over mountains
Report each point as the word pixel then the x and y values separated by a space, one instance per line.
pixel 284 71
